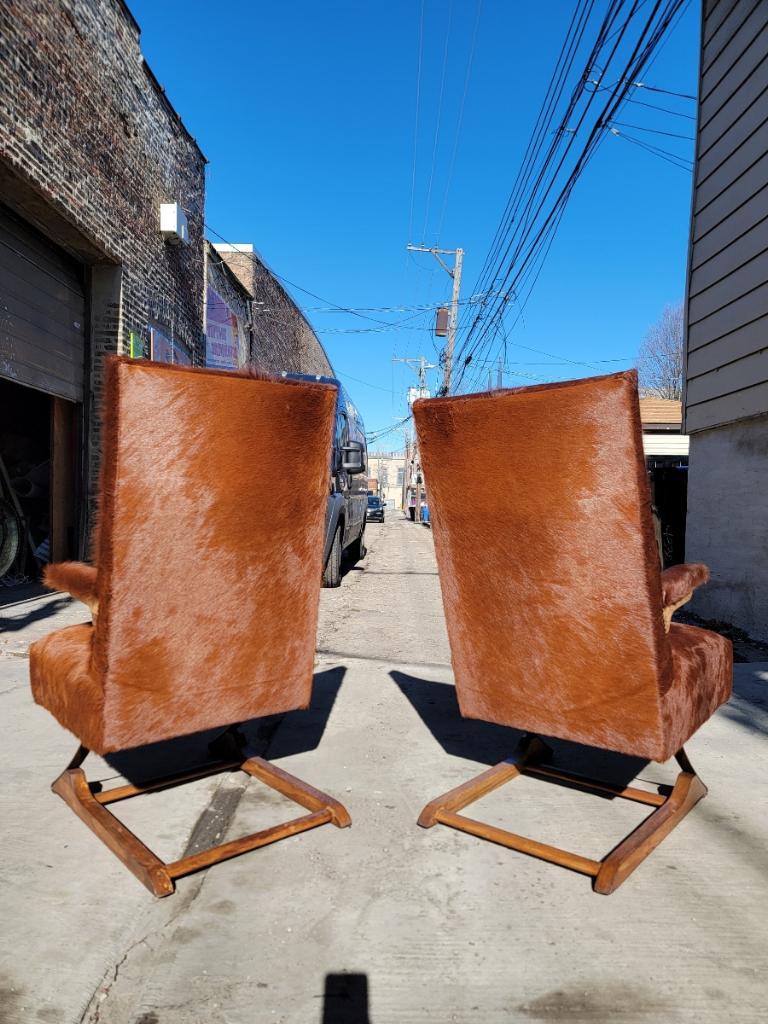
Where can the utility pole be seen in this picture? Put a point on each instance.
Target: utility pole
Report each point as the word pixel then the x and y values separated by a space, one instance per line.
pixel 455 274
pixel 406 470
pixel 407 454
pixel 421 366
pixel 413 467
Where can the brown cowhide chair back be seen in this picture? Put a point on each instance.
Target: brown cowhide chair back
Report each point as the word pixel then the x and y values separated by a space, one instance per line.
pixel 208 557
pixel 549 567
pixel 558 614
pixel 205 591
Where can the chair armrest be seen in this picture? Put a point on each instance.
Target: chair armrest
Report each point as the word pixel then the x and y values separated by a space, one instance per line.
pixel 75 578
pixel 677 586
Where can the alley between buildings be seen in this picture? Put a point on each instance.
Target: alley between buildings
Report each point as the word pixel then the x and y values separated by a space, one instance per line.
pixel 385 921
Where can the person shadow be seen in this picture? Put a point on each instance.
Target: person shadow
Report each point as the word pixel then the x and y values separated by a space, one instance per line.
pixel 345 999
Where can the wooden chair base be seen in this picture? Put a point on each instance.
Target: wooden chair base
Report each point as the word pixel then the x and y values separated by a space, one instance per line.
pixel 607 874
pixel 88 803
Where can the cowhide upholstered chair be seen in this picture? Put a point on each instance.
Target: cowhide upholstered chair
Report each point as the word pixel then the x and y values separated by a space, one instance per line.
pixel 205 590
pixel 558 614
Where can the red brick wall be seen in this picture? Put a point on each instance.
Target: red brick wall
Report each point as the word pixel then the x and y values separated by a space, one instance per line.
pixel 89 148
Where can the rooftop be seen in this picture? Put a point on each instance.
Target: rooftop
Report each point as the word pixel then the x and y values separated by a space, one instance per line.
pixel 661 410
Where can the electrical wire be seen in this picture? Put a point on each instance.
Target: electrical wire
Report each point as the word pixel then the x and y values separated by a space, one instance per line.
pixel 357 380
pixel 527 250
pixel 552 97
pixel 666 110
pixel 472 300
pixel 654 131
pixel 459 122
pixel 672 158
pixel 666 92
pixel 376 435
pixel 438 120
pixel 416 118
pixel 568 51
pixel 291 284
pixel 531 214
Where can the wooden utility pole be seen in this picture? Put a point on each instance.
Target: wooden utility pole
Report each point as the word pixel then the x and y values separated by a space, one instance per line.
pixel 453 321
pixel 455 274
pixel 404 497
pixel 421 366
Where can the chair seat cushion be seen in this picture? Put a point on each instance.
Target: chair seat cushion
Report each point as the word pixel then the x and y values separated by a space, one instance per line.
pixel 63 681
pixel 702 681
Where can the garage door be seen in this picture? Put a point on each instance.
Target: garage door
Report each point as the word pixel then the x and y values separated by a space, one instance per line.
pixel 42 312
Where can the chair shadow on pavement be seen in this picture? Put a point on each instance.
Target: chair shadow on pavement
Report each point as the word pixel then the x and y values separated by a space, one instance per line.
pixel 748 707
pixel 437 706
pixel 273 737
pixel 345 999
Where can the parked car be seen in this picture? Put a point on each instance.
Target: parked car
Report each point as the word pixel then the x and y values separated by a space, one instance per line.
pixel 346 510
pixel 375 511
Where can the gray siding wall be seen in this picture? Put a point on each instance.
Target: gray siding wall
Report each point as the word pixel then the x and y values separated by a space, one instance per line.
pixel 727 525
pixel 727 307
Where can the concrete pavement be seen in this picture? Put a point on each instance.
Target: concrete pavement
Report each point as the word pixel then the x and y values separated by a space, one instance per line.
pixel 385 921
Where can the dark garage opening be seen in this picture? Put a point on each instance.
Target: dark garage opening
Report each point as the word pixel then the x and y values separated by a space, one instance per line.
pixel 38 474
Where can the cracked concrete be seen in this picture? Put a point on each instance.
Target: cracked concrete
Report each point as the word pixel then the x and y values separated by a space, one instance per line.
pixel 386 922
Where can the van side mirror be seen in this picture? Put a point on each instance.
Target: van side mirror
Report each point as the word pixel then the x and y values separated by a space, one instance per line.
pixel 352 457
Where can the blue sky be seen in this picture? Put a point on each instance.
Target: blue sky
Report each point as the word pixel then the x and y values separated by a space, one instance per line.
pixel 307 114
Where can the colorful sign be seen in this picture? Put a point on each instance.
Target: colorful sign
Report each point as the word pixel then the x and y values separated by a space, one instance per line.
pixel 224 337
pixel 165 350
pixel 136 345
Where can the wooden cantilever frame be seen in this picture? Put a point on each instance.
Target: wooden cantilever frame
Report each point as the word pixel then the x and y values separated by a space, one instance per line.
pixel 88 803
pixel 607 874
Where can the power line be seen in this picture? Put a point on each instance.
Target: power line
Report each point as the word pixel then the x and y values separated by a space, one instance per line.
pixel 666 110
pixel 416 118
pixel 552 97
pixel 357 380
pixel 654 131
pixel 291 284
pixel 557 83
pixel 664 154
pixel 533 244
pixel 566 362
pixel 471 300
pixel 376 435
pixel 666 92
pixel 394 328
pixel 519 236
pixel 437 122
pixel 459 122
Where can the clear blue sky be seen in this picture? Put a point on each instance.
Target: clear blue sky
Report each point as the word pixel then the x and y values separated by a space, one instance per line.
pixel 307 114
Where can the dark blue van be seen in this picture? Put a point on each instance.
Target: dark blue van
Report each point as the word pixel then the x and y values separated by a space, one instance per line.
pixel 348 487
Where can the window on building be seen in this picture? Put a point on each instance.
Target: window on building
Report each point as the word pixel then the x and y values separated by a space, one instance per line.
pixel 400 474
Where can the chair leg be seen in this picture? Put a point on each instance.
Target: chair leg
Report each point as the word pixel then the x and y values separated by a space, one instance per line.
pixel 88 802
pixel 612 870
pixel 72 786
pixel 297 790
pixel 632 851
pixel 531 750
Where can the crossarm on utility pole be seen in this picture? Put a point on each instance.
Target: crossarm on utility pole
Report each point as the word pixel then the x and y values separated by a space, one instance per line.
pixel 455 274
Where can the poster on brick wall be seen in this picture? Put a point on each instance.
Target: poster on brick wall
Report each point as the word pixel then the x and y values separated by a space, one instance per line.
pixel 165 350
pixel 224 337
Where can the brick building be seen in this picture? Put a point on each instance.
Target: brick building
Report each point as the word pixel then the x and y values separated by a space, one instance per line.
pixel 228 315
pixel 282 339
pixel 90 150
